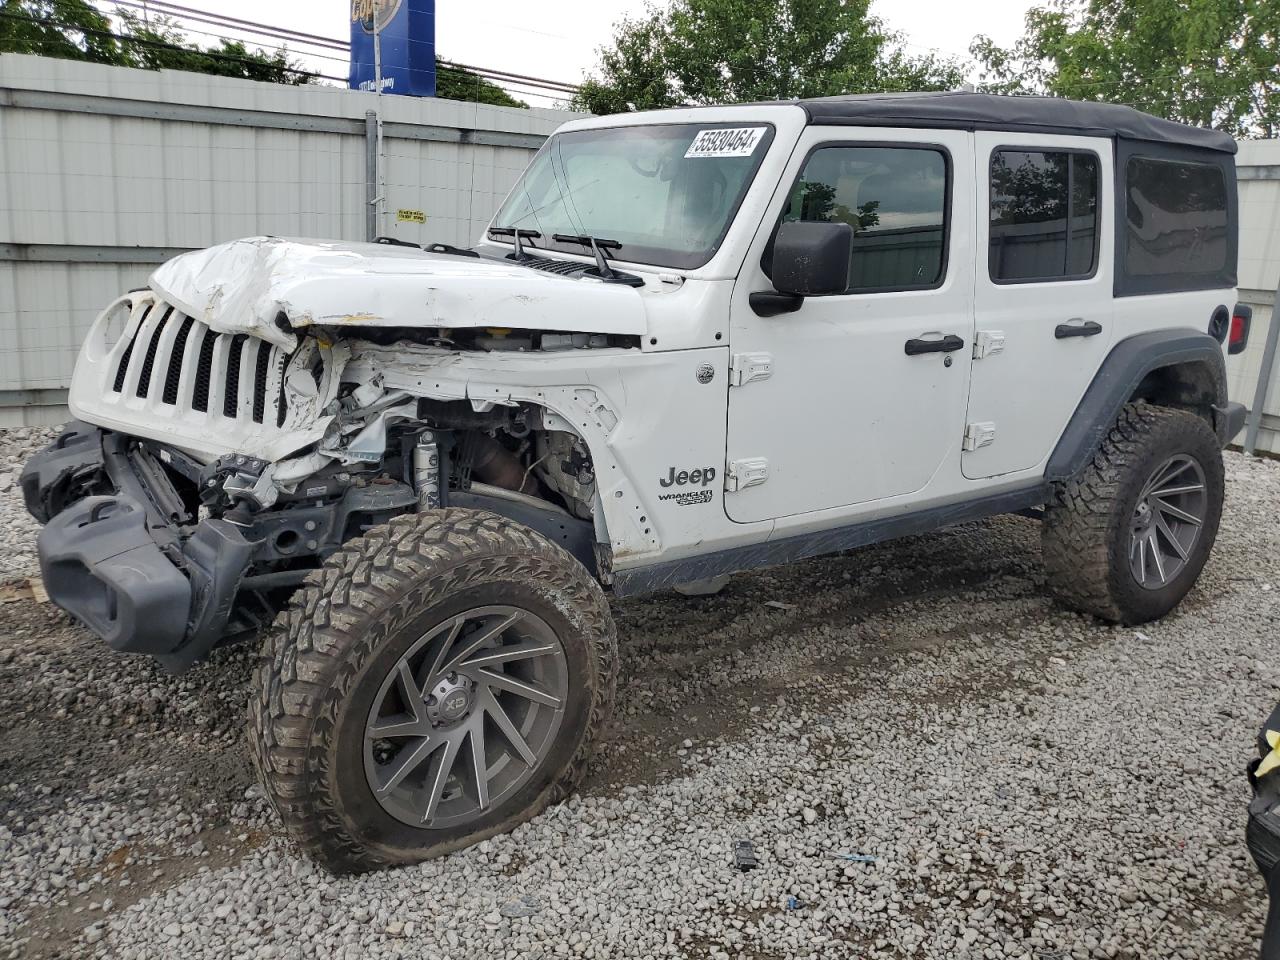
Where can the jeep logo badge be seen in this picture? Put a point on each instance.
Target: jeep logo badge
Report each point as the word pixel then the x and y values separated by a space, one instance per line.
pixel 679 478
pixel 705 373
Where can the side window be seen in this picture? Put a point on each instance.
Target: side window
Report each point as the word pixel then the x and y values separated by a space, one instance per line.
pixel 895 198
pixel 1175 218
pixel 1044 215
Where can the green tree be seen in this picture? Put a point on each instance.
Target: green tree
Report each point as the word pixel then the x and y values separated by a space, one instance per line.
pixel 67 29
pixel 1212 63
pixel 734 51
pixel 458 83
pixel 75 30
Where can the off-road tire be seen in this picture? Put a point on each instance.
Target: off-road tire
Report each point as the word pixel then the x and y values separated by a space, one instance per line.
pixel 1086 529
pixel 356 611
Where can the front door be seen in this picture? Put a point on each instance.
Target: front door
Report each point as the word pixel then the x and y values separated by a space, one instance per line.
pixel 858 397
pixel 1043 293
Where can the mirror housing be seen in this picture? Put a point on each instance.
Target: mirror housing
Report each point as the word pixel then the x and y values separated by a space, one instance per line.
pixel 811 259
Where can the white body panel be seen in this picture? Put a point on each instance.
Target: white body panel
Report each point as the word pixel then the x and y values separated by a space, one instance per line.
pixel 847 418
pixel 242 286
pixel 641 415
pixel 1030 389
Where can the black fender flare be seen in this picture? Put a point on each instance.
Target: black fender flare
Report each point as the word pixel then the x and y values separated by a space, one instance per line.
pixel 1123 370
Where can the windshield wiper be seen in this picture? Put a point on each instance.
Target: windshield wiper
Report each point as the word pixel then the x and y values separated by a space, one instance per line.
pixel 516 233
pixel 598 246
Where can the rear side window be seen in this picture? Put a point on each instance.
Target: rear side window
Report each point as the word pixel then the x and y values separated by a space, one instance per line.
pixel 1044 215
pixel 1175 218
pixel 895 198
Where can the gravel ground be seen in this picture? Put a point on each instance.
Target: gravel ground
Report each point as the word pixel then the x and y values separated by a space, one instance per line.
pixel 17 529
pixel 1031 783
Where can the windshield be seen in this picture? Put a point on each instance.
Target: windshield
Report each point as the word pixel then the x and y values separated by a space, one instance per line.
pixel 666 193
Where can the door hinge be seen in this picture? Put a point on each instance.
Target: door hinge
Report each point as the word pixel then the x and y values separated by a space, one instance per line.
pixel 745 367
pixel 978 435
pixel 988 343
pixel 746 473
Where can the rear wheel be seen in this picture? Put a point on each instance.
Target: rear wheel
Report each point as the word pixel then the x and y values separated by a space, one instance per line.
pixel 1127 539
pixel 439 681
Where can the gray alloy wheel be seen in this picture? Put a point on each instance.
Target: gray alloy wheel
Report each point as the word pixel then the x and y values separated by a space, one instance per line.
pixel 465 717
pixel 1166 521
pixel 1126 539
pixel 440 680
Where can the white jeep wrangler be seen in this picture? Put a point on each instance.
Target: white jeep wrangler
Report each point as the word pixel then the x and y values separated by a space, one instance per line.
pixel 691 342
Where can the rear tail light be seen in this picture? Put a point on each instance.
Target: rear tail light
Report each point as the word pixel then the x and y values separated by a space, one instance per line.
pixel 1238 336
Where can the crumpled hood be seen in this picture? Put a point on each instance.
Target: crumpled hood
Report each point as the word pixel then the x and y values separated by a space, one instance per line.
pixel 242 286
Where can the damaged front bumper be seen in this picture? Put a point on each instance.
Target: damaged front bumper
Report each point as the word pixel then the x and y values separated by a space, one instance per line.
pixel 114 555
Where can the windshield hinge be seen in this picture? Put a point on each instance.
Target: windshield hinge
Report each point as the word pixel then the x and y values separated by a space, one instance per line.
pixel 987 343
pixel 978 435
pixel 745 367
pixel 744 473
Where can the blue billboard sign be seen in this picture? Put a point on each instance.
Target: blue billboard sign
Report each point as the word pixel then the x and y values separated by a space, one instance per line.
pixel 407 32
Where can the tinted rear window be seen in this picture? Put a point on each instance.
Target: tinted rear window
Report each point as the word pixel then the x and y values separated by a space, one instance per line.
pixel 1175 218
pixel 1044 215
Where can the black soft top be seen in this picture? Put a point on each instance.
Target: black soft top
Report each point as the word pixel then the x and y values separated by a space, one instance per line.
pixel 985 111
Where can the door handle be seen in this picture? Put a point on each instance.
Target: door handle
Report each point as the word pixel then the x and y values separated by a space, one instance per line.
pixel 1064 330
pixel 946 344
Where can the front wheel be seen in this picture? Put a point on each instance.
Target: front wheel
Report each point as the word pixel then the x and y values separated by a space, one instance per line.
pixel 1127 539
pixel 439 681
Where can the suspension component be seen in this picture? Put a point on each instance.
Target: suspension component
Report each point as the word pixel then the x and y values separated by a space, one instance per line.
pixel 426 471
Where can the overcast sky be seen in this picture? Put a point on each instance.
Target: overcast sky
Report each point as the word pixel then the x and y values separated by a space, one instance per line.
pixel 557 39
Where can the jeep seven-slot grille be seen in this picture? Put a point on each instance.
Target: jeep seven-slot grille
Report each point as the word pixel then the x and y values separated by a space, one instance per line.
pixel 174 374
pixel 124 361
pixel 169 349
pixel 231 398
pixel 149 363
pixel 260 380
pixel 204 369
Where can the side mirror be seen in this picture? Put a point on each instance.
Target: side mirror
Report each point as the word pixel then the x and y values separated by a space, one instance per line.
pixel 812 258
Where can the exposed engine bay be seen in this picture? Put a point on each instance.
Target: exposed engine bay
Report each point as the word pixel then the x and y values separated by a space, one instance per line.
pixel 437 449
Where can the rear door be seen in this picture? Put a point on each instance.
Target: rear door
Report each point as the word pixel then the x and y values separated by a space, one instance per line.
pixel 1043 293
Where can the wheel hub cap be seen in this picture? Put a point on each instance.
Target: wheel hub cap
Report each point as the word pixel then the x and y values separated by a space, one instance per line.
pixel 450 700
pixel 1166 521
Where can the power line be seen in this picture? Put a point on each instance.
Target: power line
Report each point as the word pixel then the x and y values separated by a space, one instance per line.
pixel 284 48
pixel 217 56
pixel 155 44
pixel 514 84
pixel 219 19
pixel 249 25
pixel 444 67
pixel 518 85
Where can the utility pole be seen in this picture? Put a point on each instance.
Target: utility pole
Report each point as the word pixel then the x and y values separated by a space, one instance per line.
pixel 381 200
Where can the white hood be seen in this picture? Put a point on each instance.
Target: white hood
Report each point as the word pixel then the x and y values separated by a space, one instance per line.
pixel 242 286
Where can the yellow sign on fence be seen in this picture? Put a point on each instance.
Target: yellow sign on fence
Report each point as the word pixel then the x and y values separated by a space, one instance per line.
pixel 410 216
